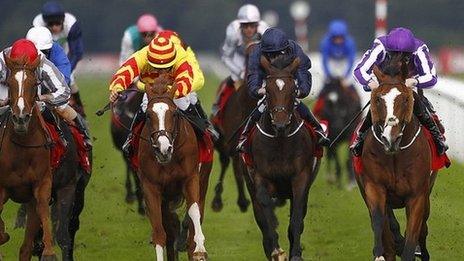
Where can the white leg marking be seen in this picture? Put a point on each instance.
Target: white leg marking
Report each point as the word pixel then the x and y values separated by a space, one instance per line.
pixel 280 84
pixel 380 258
pixel 390 120
pixel 159 253
pixel 199 238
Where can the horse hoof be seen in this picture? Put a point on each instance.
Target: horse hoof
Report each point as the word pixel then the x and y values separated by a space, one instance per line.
pixel 4 238
pixel 130 198
pixel 279 255
pixel 380 258
pixel 199 256
pixel 243 204
pixel 217 205
pixel 49 258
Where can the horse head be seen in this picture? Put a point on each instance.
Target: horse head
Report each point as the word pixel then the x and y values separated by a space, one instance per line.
pixel 22 85
pixel 391 106
pixel 281 92
pixel 161 117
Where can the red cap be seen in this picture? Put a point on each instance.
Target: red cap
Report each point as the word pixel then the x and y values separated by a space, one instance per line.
pixel 24 48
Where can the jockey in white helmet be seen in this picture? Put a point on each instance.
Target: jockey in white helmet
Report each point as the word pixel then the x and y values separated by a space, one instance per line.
pixel 240 33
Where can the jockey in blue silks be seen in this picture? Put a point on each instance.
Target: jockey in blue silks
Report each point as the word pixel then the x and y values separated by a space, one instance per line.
pixel 338 51
pixel 422 75
pixel 275 44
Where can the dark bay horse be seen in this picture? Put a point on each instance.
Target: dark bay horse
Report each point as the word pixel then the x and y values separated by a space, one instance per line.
pixel 170 172
pixel 124 110
pixel 284 162
pixel 396 168
pixel 341 103
pixel 25 158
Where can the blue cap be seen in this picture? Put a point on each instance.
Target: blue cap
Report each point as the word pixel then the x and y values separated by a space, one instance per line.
pixel 274 40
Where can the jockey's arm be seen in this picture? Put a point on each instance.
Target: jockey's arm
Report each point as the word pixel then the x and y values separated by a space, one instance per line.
pixel 126 47
pixel 254 73
pixel 427 73
pixel 228 50
pixel 128 71
pixel 303 76
pixel 363 71
pixel 76 45
pixel 52 79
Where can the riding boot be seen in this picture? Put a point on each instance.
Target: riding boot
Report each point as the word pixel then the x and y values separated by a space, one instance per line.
pixel 431 109
pixel 357 146
pixel 138 118
pixel 84 130
pixel 80 107
pixel 306 114
pixel 426 119
pixel 246 130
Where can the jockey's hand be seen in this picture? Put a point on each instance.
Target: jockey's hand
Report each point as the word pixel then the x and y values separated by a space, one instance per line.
pixel 373 84
pixel 261 91
pixel 114 95
pixel 45 97
pixel 411 82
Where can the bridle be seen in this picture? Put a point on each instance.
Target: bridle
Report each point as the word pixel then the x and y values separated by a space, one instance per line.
pixel 155 134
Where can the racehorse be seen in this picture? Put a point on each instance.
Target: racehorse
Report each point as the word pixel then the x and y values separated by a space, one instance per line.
pixel 284 163
pixel 396 169
pixel 170 171
pixel 340 105
pixel 238 106
pixel 25 158
pixel 123 112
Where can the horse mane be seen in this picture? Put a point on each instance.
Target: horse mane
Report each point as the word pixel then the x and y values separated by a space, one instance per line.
pixel 160 84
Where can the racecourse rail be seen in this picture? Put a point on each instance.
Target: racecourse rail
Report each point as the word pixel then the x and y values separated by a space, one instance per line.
pixel 447 96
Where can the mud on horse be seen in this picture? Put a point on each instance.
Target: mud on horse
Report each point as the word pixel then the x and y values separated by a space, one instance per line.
pixel 396 169
pixel 284 163
pixel 25 158
pixel 170 171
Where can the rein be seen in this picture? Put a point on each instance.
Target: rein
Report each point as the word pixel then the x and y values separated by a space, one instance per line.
pixel 274 136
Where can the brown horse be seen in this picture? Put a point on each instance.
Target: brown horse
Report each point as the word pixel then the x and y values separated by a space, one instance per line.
pixel 396 168
pixel 284 162
pixel 170 171
pixel 25 158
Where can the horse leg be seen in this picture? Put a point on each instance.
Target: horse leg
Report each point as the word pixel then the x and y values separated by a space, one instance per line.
pixel 21 217
pixel 130 195
pixel 396 231
pixel 139 194
pixel 424 253
pixel 242 201
pixel 42 195
pixel 196 239
pixel 152 195
pixel 171 225
pixel 331 179
pixel 298 209
pixel 351 177
pixel 388 242
pixel 415 212
pixel 64 205
pixel 32 229
pixel 375 198
pixel 217 204
pixel 4 237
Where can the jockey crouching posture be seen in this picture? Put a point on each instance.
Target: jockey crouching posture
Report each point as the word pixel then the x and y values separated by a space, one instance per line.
pixel 422 73
pixel 240 33
pixel 54 90
pixel 166 53
pixel 276 45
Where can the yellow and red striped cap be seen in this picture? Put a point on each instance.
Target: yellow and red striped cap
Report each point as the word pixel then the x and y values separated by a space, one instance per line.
pixel 161 52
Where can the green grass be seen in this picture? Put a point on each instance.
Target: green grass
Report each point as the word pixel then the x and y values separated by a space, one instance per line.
pixel 337 225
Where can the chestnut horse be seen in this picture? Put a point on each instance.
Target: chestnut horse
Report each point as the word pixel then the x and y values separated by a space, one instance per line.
pixel 284 163
pixel 25 158
pixel 170 171
pixel 396 168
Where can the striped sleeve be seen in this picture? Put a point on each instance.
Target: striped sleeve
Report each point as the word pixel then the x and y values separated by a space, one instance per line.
pixel 54 81
pixel 126 74
pixel 427 77
pixel 183 79
pixel 362 72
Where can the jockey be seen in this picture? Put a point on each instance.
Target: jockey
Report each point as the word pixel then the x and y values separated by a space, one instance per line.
pixel 240 33
pixel 165 53
pixel 338 52
pixel 53 90
pixel 42 38
pixel 275 44
pixel 422 73
pixel 66 31
pixel 138 36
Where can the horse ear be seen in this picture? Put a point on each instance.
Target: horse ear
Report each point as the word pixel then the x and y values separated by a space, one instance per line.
pixel 378 73
pixel 266 64
pixel 293 66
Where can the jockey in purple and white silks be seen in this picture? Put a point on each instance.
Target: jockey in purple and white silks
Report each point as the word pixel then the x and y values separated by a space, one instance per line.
pixel 422 75
pixel 275 45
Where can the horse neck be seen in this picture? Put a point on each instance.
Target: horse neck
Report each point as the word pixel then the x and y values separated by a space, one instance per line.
pixel 410 130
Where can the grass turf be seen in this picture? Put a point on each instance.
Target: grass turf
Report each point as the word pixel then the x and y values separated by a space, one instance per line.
pixel 337 225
